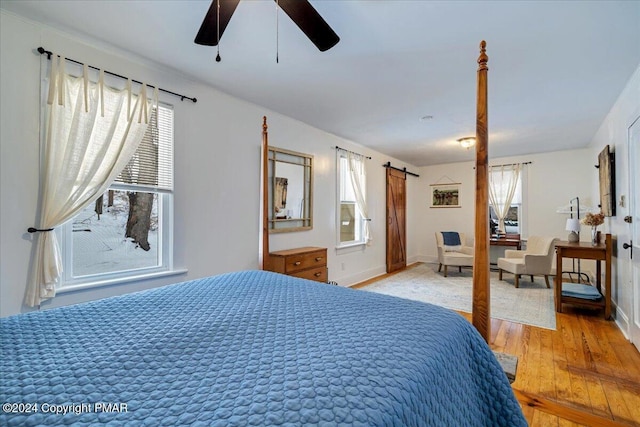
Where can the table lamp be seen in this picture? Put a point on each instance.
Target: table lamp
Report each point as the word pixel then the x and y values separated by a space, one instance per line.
pixel 573 226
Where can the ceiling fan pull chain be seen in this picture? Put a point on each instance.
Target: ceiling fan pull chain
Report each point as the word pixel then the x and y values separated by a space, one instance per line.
pixel 277 30
pixel 218 59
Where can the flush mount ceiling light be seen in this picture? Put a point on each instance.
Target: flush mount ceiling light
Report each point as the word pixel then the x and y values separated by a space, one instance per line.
pixel 467 142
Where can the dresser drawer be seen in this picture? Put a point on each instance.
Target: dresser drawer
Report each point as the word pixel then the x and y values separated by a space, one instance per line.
pixel 319 274
pixel 309 262
pixel 295 263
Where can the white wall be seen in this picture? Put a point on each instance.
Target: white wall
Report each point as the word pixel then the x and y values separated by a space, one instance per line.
pixel 217 171
pixel 553 180
pixel 614 132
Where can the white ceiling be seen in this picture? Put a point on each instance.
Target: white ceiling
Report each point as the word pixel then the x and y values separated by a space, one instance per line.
pixel 555 68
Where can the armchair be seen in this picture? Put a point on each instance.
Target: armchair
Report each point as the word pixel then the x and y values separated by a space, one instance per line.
pixel 536 260
pixel 460 257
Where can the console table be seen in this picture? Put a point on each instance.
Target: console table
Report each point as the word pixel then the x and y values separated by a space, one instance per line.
pixel 585 250
pixel 516 243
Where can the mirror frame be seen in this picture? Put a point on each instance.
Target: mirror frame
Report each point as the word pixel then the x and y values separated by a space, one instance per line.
pixel 284 225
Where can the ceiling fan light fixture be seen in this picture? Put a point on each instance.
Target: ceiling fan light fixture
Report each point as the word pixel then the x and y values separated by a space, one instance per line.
pixel 467 142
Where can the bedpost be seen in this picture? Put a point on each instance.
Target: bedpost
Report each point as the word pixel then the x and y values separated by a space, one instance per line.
pixel 481 314
pixel 264 260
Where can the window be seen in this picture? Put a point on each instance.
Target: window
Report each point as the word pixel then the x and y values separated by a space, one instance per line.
pixel 127 231
pixel 351 215
pixel 505 184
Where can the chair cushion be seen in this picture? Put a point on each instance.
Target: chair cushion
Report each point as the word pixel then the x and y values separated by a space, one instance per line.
pixel 457 259
pixel 577 290
pixel 512 265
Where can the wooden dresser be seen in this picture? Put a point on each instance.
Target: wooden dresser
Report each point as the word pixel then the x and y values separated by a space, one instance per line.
pixel 308 263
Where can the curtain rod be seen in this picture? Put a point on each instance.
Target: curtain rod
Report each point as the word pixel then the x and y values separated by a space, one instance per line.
pixel 353 152
pixel 42 51
pixel 509 164
pixel 388 165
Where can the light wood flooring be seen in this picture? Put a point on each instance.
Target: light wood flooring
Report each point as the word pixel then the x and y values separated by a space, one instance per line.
pixel 585 373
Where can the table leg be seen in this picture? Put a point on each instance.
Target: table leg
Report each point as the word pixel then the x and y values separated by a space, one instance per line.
pixel 607 278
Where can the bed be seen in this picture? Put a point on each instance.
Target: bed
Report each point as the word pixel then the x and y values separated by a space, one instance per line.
pixel 251 348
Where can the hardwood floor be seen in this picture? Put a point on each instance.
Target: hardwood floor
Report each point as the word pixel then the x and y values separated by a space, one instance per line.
pixel 585 373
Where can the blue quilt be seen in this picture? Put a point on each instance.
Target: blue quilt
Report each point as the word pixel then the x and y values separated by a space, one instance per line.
pixel 251 349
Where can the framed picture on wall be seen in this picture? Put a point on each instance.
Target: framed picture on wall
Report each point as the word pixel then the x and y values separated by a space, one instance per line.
pixel 445 195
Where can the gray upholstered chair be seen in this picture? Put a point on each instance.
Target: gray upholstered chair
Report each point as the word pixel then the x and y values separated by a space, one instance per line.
pixel 536 260
pixel 447 256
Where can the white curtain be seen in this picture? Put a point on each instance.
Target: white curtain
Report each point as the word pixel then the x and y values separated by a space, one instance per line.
pixel 91 132
pixel 503 182
pixel 358 174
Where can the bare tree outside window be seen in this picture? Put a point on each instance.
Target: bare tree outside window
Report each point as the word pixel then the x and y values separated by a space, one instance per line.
pixel 125 232
pixel 142 169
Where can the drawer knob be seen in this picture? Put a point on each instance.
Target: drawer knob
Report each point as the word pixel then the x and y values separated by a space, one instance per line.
pixel 318 274
pixel 297 263
pixel 319 258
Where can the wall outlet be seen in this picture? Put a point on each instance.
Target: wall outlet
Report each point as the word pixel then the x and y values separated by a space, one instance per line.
pixel 342 266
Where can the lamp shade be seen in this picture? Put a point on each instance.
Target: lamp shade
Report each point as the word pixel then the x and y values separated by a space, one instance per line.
pixel 573 224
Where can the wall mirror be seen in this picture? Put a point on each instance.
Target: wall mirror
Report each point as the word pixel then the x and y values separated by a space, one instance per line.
pixel 290 178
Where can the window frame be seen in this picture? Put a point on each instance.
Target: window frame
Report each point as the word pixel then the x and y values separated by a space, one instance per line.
pixel 359 219
pixel 165 200
pixel 522 211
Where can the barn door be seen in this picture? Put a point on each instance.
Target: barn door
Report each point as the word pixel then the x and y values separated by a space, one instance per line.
pixel 396 220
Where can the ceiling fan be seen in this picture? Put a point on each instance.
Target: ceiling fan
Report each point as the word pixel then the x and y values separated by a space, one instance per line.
pixel 300 11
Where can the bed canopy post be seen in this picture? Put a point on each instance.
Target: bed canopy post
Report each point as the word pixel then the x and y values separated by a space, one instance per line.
pixel 264 260
pixel 481 314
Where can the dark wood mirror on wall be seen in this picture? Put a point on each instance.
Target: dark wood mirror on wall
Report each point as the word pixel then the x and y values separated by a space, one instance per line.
pixel 607 178
pixel 289 184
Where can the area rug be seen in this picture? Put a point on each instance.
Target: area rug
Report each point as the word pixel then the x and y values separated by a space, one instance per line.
pixel 531 303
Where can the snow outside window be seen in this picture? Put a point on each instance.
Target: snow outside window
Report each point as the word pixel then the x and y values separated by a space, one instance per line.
pixel 127 231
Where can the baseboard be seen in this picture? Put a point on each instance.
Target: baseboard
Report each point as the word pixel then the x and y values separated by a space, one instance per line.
pixel 622 321
pixel 348 281
pixel 425 258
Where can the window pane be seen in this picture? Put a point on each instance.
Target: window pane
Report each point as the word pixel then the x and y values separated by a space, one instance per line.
pixel 102 240
pixel 351 223
pixel 348 222
pixel 500 181
pixel 511 222
pixel 152 163
pixel 346 186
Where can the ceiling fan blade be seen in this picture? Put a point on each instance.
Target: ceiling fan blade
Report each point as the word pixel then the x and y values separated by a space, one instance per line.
pixel 208 34
pixel 310 22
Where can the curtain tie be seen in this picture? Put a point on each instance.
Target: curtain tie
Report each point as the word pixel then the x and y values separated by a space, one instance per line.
pixel 35 230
